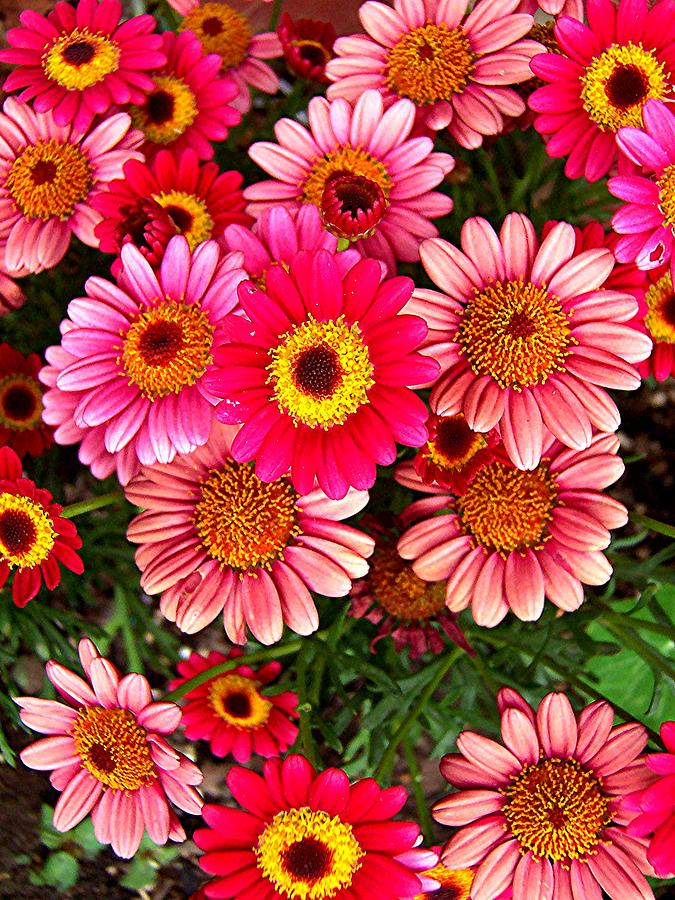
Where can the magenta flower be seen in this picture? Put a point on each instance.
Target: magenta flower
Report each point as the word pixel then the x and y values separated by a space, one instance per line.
pixel 656 317
pixel 109 755
pixel 21 424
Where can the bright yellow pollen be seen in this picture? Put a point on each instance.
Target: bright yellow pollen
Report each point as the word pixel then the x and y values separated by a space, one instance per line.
pixel 618 83
pixel 455 883
pixel 309 855
pixel 506 509
pixel 399 591
pixel 80 59
pixel 167 348
pixel 429 64
pixel 189 214
pixel 26 532
pixel 20 402
pixel 49 179
pixel 113 747
pixel 515 332
pixel 167 112
pixel 237 700
pixel 666 185
pixel 221 30
pixel 557 810
pixel 345 161
pixel 321 372
pixel 660 318
pixel 244 522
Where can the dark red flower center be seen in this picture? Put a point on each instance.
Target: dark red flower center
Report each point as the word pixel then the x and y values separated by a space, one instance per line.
pixel 355 193
pixel 312 53
pixel 160 107
pixel 352 205
pixel 160 342
pixel 238 705
pixel 102 758
pixel 318 371
pixel 212 26
pixel 181 218
pixel 668 310
pixel 43 172
pixel 454 438
pixel 17 531
pixel 307 860
pixel 626 86
pixel 19 403
pixel 78 53
pixel 520 326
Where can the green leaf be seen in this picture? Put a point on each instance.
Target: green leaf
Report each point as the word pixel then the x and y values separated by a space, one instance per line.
pixel 61 870
pixel 140 875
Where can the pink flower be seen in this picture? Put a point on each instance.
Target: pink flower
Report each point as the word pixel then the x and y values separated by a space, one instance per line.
pixel 141 349
pixel 647 219
pixel 188 104
pixel 233 712
pixel 11 295
pixel 21 425
pixel 49 176
pixel 319 374
pixel 541 813
pixel 80 62
pixel 109 756
pixel 573 8
pixel 601 81
pixel 656 317
pixel 526 335
pixel 360 140
pixel 296 823
pixel 456 66
pixel 656 807
pixel 515 537
pixel 307 46
pixel 215 537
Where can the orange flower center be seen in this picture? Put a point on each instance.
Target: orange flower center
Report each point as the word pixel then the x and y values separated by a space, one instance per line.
pixel 399 591
pixel 221 30
pixel 26 532
pixel 48 179
pixel 20 402
pixel 666 185
pixel 455 884
pixel 344 161
pixel 114 748
pixel 430 63
pixel 660 318
pixel 237 700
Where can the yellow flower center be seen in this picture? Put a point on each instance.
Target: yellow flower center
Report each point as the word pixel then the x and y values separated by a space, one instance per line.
pixel 321 372
pixel 189 214
pixel 236 699
pixel 431 63
pixel 244 522
pixel 557 810
pixel 80 59
pixel 169 110
pixel 399 591
pixel 506 509
pixel 26 532
pixel 455 443
pixel 114 748
pixel 343 161
pixel 666 185
pixel 660 318
pixel 20 402
pixel 618 83
pixel 49 179
pixel 167 348
pixel 221 30
pixel 455 884
pixel 515 332
pixel 308 854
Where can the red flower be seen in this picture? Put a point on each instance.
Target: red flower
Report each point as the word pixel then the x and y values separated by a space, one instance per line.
pixel 21 425
pixel 307 46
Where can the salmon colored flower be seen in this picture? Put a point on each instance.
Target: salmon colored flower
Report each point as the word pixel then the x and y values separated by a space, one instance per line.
pixel 307 46
pixel 21 424
pixel 455 884
pixel 11 295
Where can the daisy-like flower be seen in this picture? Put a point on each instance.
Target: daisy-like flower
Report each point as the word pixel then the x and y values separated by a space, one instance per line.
pixel 49 175
pixel 655 806
pixel 34 537
pixel 21 425
pixel 656 317
pixel 79 62
pixel 646 222
pixel 228 33
pixel 320 371
pixel 141 349
pixel 232 711
pixel 307 46
pixel 601 80
pixel 455 884
pixel 540 813
pixel 455 67
pixel 306 835
pixel 527 335
pixel 188 104
pixel 215 537
pixel 386 175
pixel 515 537
pixel 109 755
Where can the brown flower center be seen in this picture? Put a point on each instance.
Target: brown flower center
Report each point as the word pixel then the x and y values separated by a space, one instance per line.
pixel 113 747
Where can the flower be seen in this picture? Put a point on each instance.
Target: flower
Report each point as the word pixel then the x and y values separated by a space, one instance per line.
pixel 307 46
pixel 109 755
pixel 455 66
pixel 215 537
pixel 540 814
pixel 232 711
pixel 515 537
pixel 141 349
pixel 306 835
pixel 656 317
pixel 34 537
pixel 173 194
pixel 49 176
pixel 21 424
pixel 188 104
pixel 455 884
pixel 526 336
pixel 80 62
pixel 647 220
pixel 11 295
pixel 374 149
pixel 601 80
pixel 227 32
pixel 319 374
pixel 656 807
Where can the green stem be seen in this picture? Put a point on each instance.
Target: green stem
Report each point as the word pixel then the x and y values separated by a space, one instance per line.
pixel 643 649
pixel 629 621
pixel 493 178
pixel 124 616
pixel 85 506
pixel 653 525
pixel 305 708
pixel 276 14
pixel 424 816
